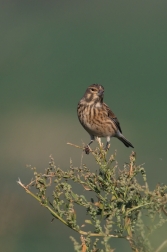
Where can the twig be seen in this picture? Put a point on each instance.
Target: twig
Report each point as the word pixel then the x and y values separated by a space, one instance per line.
pixel 134 208
pixel 28 191
pixel 76 146
pixel 79 147
pixel 161 246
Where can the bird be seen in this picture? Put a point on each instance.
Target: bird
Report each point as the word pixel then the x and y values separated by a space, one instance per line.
pixel 97 118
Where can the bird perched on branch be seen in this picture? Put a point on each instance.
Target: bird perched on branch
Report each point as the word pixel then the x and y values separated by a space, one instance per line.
pixel 97 118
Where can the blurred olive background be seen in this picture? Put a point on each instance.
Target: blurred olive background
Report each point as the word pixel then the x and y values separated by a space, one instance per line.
pixel 50 52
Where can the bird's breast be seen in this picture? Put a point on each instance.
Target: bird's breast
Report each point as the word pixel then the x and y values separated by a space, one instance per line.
pixel 95 120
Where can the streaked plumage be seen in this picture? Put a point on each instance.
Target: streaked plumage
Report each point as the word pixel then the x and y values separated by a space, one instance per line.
pixel 97 118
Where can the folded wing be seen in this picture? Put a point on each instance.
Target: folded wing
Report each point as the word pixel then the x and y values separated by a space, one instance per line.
pixel 112 116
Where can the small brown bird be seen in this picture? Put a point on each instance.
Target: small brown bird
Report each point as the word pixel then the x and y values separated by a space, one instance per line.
pixel 97 118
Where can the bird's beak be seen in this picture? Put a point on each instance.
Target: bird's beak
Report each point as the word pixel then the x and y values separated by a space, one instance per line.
pixel 101 92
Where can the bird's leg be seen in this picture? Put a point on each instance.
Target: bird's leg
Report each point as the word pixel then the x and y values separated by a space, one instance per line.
pixel 99 142
pixel 87 148
pixel 108 143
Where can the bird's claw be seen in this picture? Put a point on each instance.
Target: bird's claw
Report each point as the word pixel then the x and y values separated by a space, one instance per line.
pixel 107 147
pixel 87 150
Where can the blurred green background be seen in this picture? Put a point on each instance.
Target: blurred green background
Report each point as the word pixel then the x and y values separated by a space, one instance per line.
pixel 50 52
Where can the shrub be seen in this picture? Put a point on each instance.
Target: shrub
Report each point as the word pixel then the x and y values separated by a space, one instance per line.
pixel 116 204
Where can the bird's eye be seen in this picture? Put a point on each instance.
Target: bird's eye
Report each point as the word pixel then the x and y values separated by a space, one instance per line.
pixel 92 89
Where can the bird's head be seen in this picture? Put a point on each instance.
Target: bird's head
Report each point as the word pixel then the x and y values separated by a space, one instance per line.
pixel 94 93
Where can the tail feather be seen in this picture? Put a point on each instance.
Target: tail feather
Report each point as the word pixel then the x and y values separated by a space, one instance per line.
pixel 125 141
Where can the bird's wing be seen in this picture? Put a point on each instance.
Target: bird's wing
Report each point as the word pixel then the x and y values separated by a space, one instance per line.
pixel 112 116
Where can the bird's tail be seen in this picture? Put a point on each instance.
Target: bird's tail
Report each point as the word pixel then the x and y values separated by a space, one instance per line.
pixel 125 141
